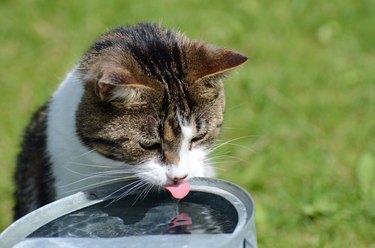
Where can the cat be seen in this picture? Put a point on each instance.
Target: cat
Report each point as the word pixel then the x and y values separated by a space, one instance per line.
pixel 144 103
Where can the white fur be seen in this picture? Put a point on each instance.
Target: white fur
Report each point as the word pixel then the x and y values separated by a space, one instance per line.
pixel 190 160
pixel 69 158
pixel 192 163
pixel 74 166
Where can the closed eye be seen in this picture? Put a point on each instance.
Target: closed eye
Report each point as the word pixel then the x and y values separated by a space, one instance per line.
pixel 199 137
pixel 150 146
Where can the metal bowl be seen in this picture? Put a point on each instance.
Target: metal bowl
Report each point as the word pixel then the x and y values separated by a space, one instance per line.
pixel 215 213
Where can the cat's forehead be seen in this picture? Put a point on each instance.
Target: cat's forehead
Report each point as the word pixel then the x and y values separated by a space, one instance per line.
pixel 158 52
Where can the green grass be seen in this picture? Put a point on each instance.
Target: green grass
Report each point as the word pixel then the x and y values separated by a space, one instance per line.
pixel 304 104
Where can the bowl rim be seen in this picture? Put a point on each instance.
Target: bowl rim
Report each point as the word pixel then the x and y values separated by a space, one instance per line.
pixel 237 196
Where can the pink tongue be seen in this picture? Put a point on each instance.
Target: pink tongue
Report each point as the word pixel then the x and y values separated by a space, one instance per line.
pixel 180 190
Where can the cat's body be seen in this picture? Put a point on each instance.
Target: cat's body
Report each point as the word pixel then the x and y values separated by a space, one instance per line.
pixel 143 104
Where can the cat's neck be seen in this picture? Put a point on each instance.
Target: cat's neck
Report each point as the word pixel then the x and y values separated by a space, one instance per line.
pixel 72 163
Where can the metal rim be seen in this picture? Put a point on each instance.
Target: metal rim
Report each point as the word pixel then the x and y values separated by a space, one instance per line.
pixel 233 193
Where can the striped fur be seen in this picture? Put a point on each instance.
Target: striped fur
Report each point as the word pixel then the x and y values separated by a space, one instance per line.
pixel 144 102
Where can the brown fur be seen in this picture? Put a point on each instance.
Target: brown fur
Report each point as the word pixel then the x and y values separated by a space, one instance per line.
pixel 140 83
pixel 159 99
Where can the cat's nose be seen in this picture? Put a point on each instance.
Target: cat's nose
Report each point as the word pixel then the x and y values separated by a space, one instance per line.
pixel 176 179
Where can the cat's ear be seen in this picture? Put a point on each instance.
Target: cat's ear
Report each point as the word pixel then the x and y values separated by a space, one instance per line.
pixel 207 60
pixel 114 83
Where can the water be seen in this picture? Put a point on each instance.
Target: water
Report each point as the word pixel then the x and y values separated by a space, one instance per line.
pixel 158 214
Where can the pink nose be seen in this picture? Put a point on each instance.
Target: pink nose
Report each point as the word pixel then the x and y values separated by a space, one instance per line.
pixel 178 179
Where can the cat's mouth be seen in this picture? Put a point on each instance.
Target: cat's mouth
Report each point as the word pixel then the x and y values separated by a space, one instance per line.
pixel 179 190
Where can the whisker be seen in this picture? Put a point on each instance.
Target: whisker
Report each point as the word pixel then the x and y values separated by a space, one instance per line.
pixel 144 193
pixel 225 162
pixel 96 184
pixel 118 177
pixel 116 174
pixel 217 168
pixel 93 165
pixel 233 158
pixel 241 137
pixel 139 194
pixel 85 153
pixel 125 186
pixel 214 158
pixel 94 176
pixel 122 170
pixel 227 142
pixel 127 192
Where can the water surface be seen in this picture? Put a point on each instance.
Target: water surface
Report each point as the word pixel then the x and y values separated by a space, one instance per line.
pixel 157 214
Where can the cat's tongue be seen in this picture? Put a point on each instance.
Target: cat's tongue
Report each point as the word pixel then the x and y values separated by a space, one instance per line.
pixel 179 190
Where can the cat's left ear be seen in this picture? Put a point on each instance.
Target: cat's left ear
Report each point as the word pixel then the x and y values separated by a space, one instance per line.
pixel 207 60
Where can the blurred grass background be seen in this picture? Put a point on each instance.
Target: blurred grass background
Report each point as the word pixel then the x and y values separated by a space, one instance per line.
pixel 303 107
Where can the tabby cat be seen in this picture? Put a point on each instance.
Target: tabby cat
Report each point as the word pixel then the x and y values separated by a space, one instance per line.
pixel 144 104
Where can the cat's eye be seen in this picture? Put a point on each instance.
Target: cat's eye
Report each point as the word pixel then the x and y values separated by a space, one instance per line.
pixel 151 146
pixel 199 137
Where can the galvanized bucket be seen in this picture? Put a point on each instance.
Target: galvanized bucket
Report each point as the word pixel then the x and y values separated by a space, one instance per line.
pixel 99 218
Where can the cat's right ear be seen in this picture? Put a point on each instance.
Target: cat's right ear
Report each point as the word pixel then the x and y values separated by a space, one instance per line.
pixel 117 83
pixel 206 60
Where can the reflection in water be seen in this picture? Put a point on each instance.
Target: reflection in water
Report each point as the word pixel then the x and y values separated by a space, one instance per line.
pixel 154 216
pixel 180 224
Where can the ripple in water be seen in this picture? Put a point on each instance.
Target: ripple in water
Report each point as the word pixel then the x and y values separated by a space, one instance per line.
pixel 156 215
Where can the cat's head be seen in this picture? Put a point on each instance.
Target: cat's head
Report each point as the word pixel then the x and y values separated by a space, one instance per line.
pixel 154 100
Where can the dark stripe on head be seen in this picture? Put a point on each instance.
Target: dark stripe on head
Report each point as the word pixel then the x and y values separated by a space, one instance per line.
pixel 155 49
